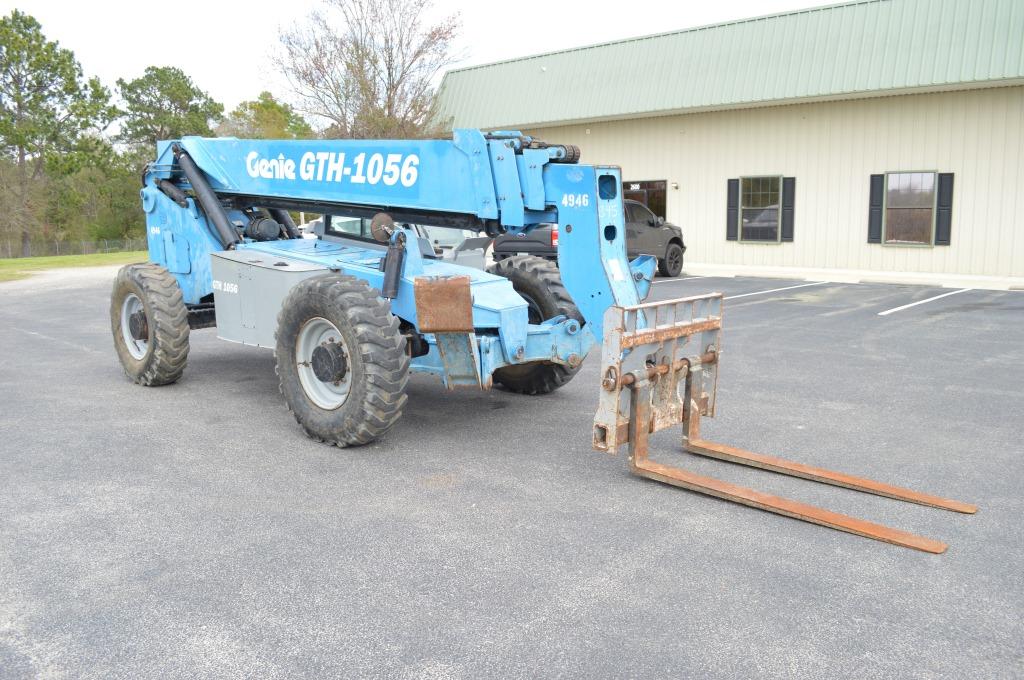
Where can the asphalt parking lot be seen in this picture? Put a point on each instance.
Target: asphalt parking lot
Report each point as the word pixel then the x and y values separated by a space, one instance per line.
pixel 192 531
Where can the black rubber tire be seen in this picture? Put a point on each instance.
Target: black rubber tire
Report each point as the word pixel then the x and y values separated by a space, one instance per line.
pixel 540 283
pixel 672 263
pixel 378 362
pixel 167 320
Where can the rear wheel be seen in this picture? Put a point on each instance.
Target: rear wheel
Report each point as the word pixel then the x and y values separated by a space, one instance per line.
pixel 341 360
pixel 672 263
pixel 149 322
pixel 538 282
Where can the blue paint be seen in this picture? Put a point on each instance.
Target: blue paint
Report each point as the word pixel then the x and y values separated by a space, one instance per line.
pixel 175 233
pixel 502 177
pixel 643 268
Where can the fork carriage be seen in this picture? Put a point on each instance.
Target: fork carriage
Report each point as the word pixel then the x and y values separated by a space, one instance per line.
pixel 660 369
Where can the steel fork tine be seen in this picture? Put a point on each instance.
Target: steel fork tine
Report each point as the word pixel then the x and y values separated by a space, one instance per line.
pixel 653 406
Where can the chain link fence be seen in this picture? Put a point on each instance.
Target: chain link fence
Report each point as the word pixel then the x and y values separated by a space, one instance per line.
pixel 12 247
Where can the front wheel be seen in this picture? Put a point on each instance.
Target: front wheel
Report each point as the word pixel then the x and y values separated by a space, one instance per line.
pixel 341 360
pixel 149 322
pixel 672 264
pixel 539 283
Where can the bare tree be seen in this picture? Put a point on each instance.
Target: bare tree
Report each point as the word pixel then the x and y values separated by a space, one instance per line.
pixel 367 67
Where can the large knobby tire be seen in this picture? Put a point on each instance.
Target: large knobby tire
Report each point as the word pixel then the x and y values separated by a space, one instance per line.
pixel 360 335
pixel 672 263
pixel 538 282
pixel 149 321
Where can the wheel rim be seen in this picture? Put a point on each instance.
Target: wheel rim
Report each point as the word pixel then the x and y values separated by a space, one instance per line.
pixel 132 305
pixel 317 332
pixel 675 259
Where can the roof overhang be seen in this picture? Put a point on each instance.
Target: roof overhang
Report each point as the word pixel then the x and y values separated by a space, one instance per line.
pixel 867 94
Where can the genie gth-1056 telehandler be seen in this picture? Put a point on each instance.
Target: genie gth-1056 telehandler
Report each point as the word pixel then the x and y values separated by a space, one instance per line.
pixel 350 313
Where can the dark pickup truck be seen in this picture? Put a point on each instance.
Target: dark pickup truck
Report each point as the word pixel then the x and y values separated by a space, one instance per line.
pixel 646 234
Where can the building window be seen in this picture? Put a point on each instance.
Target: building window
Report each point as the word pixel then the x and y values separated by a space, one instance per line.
pixel 909 208
pixel 915 208
pixel 760 202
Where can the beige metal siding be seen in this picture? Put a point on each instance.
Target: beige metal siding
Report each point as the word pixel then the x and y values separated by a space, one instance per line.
pixel 832 149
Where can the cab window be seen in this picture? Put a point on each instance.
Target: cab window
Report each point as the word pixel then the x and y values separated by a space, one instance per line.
pixel 353 227
pixel 445 236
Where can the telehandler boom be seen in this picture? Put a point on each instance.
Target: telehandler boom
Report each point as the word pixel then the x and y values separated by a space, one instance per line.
pixel 353 311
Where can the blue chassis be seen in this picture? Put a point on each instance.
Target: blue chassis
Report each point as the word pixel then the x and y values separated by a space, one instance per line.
pixel 493 178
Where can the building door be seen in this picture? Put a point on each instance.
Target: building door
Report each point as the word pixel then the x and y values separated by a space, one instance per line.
pixel 652 193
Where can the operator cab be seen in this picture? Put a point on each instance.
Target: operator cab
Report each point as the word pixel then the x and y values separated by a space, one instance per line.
pixel 437 243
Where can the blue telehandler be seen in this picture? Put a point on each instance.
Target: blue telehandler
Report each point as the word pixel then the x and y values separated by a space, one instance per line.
pixel 351 312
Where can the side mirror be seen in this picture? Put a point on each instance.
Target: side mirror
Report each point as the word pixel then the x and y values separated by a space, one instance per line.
pixel 661 221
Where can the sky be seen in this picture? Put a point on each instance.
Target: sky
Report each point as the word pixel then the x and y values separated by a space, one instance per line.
pixel 226 46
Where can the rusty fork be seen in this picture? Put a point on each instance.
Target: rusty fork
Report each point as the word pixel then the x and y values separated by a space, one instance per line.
pixel 641 357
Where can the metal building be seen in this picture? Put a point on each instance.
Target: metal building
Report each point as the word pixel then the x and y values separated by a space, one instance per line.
pixel 880 139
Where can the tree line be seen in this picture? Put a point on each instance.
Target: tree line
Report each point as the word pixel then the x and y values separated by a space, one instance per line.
pixel 72 150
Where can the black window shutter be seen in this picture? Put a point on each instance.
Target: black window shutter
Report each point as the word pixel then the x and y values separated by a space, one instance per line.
pixel 944 209
pixel 788 196
pixel 875 212
pixel 732 212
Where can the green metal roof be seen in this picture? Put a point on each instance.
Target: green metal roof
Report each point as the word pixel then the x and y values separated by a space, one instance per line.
pixel 861 48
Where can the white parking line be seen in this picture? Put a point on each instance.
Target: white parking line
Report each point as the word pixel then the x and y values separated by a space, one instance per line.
pixel 683 278
pixel 58 340
pixel 921 302
pixel 776 290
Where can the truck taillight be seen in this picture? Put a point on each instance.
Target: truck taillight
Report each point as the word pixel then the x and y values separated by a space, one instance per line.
pixel 554 236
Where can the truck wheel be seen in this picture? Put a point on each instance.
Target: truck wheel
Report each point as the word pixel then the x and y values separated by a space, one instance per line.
pixel 150 324
pixel 672 264
pixel 341 360
pixel 538 282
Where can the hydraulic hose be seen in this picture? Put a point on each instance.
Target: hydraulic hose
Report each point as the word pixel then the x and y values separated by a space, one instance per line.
pixel 393 262
pixel 283 218
pixel 172 192
pixel 207 199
